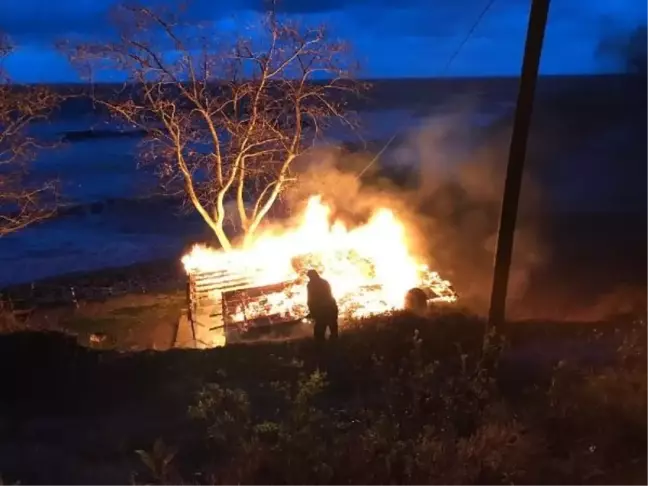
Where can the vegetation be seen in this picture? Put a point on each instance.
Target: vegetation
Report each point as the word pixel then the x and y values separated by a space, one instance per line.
pixel 397 400
pixel 21 203
pixel 225 118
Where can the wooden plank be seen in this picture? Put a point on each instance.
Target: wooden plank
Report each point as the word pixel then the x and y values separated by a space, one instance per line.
pixel 247 296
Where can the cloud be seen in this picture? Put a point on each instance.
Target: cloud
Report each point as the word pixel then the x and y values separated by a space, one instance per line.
pixel 36 21
pixel 392 38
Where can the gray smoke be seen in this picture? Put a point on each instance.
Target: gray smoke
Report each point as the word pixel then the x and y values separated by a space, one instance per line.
pixel 624 50
pixel 448 193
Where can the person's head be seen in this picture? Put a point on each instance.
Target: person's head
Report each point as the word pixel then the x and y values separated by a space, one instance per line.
pixel 312 274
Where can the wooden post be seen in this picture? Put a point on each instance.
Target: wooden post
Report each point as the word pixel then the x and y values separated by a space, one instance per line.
pixel 517 154
pixel 190 308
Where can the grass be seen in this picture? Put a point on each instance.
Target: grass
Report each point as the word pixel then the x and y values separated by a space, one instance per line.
pixel 129 322
pixel 397 400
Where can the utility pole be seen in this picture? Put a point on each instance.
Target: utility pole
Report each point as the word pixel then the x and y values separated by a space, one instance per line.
pixel 517 154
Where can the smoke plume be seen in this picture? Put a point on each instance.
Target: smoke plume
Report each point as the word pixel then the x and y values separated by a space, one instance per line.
pixel 445 182
pixel 624 50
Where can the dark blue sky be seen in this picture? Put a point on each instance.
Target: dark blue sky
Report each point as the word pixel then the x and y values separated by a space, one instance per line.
pixel 391 38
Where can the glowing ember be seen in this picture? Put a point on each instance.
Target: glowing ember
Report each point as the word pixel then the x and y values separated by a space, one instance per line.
pixel 370 267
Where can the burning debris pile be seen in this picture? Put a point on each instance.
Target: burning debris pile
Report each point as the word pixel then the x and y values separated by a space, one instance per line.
pixel 370 268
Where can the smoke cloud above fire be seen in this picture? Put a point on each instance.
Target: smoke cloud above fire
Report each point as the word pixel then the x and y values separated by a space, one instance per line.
pixel 445 183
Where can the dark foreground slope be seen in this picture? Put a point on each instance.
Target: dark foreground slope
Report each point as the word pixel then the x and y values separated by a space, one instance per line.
pixel 398 400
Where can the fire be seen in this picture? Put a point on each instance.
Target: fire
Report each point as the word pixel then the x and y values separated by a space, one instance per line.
pixel 370 267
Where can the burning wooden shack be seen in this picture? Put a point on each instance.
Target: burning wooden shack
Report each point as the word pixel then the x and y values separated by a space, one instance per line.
pixel 240 293
pixel 224 307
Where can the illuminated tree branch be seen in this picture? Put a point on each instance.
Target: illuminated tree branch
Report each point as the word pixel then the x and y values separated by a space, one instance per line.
pixel 21 203
pixel 225 120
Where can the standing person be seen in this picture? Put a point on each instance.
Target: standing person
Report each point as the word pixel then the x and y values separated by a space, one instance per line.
pixel 322 306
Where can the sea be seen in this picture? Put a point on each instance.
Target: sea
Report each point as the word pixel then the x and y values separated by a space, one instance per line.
pixel 113 223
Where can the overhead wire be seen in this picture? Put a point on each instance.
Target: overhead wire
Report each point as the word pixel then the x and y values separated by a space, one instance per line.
pixel 453 56
pixel 471 31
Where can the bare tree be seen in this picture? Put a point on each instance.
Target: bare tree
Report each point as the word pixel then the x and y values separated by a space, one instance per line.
pixel 21 203
pixel 226 118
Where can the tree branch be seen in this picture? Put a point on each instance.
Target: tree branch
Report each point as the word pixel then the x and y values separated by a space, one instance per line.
pixel 228 138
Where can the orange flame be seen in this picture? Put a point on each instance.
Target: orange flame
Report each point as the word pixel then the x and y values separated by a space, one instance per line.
pixel 370 267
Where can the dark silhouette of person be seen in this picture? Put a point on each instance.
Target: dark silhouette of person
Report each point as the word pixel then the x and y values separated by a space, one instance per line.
pixel 322 306
pixel 416 301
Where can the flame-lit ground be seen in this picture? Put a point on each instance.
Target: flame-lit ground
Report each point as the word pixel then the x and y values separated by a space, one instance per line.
pixel 370 267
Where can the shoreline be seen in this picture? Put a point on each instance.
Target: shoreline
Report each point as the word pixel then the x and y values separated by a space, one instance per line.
pixel 69 289
pixel 582 245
